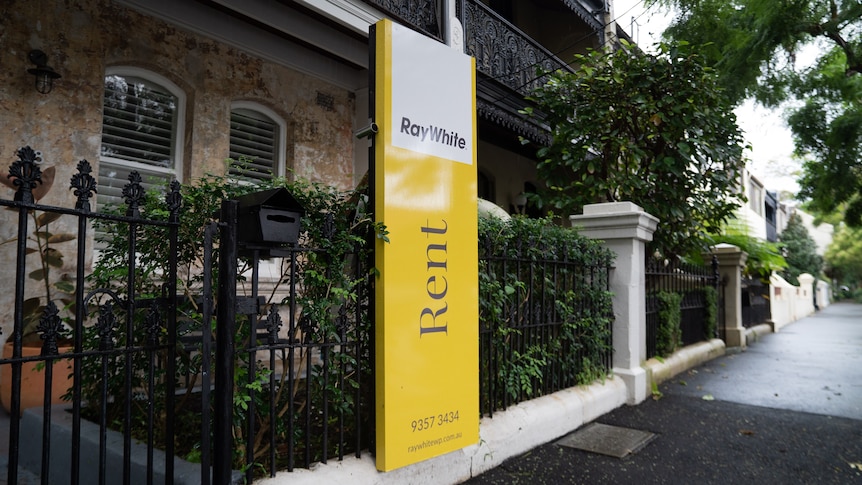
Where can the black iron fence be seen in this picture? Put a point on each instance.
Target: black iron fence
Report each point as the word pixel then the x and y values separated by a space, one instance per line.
pixel 151 389
pixel 164 382
pixel 545 316
pixel 695 286
pixel 308 387
pixel 756 308
pixel 111 352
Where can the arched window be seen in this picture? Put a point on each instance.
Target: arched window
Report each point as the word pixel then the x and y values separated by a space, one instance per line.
pixel 257 142
pixel 141 124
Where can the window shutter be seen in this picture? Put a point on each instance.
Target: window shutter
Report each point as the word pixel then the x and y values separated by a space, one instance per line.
pixel 139 127
pixel 138 122
pixel 253 145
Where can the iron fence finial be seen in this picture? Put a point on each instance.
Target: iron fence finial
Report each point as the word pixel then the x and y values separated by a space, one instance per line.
pixel 84 184
pixel 133 193
pixel 26 174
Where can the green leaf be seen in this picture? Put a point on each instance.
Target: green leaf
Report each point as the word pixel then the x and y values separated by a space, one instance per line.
pixel 53 257
pixel 46 218
pixel 64 286
pixel 58 238
pixel 31 305
pixel 37 275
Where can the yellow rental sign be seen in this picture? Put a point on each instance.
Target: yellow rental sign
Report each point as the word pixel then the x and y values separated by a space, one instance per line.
pixel 427 296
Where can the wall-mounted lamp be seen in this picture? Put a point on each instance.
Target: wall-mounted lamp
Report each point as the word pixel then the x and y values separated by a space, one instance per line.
pixel 45 75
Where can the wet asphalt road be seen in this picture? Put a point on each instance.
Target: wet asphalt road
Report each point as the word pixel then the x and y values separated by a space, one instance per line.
pixel 786 410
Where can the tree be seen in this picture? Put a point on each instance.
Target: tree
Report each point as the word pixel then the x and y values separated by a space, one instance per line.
pixel 801 251
pixel 844 256
pixel 828 133
pixel 753 45
pixel 651 129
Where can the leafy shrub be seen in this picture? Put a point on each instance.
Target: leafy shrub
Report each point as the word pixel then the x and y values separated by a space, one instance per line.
pixel 327 308
pixel 764 257
pixel 545 310
pixel 669 334
pixel 711 320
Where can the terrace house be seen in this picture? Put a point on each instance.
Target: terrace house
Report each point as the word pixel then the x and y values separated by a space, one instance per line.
pixel 173 88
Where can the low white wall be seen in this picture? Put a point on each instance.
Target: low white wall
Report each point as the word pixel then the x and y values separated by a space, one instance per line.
pixel 753 334
pixel 789 303
pixel 661 370
pixel 509 433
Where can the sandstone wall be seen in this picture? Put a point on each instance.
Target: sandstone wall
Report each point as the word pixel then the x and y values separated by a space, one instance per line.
pixel 84 37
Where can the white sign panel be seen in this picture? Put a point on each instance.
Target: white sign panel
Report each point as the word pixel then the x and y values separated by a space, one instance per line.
pixel 439 121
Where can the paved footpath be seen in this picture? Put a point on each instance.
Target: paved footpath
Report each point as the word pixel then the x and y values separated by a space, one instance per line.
pixel 787 410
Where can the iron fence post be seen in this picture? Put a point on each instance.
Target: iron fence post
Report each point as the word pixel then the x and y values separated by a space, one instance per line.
pixel 18 330
pixel 173 200
pixel 225 330
pixel 27 175
pixel 84 186
pixel 206 354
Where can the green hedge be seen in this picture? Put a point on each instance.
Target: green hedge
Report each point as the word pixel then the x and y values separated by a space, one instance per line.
pixel 545 309
pixel 669 334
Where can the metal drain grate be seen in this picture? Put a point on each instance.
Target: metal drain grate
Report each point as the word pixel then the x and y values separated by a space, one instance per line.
pixel 607 440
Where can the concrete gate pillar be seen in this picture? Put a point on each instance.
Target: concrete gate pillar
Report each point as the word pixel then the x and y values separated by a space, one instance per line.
pixel 625 229
pixel 807 294
pixel 731 261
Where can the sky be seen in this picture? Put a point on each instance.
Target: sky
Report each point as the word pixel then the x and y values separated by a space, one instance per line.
pixel 771 158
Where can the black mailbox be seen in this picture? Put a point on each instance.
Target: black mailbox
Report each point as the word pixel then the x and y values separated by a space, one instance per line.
pixel 269 218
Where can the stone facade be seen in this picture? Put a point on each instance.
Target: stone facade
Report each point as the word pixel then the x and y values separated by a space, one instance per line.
pixel 83 38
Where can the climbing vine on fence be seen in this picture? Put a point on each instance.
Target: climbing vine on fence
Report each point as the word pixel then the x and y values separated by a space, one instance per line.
pixel 669 335
pixel 711 321
pixel 545 310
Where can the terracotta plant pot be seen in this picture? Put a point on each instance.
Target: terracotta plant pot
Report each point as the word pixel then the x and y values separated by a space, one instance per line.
pixel 32 380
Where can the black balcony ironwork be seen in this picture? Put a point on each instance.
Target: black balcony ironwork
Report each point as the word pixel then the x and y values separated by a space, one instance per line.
pixel 503 52
pixel 419 14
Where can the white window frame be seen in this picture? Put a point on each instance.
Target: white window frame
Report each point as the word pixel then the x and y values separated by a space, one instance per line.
pixel 177 139
pixel 177 136
pixel 270 269
pixel 281 140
